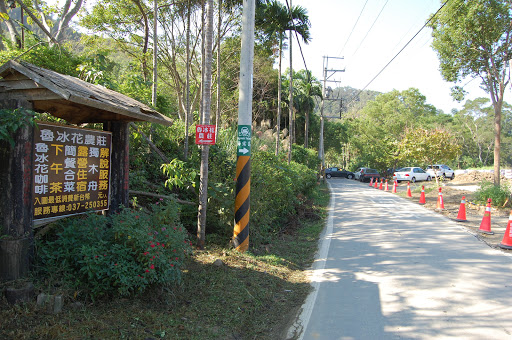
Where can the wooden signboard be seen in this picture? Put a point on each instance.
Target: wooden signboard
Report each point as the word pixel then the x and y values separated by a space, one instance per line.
pixel 71 169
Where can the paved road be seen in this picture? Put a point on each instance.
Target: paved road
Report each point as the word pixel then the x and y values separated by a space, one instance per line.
pixel 390 269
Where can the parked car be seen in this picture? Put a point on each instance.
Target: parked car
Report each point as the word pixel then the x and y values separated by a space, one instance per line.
pixel 338 172
pixel 366 173
pixel 411 174
pixel 357 173
pixel 441 170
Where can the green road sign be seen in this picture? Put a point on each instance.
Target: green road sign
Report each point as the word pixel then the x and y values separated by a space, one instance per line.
pixel 244 140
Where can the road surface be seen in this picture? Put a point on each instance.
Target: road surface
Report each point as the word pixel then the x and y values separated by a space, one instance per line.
pixel 390 269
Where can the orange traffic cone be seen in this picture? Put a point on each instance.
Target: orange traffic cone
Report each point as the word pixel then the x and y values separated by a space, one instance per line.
pixel 409 189
pixel 376 186
pixel 380 187
pixel 422 196
pixel 387 188
pixel 371 181
pixel 440 202
pixel 485 226
pixel 461 216
pixel 506 243
pixel 394 187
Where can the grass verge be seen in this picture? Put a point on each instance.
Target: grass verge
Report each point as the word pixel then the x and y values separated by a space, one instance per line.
pixel 243 296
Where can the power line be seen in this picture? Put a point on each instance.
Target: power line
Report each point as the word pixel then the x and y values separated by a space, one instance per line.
pixel 382 9
pixel 378 74
pixel 343 48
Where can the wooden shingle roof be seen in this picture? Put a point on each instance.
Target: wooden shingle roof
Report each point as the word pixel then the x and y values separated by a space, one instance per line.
pixel 70 98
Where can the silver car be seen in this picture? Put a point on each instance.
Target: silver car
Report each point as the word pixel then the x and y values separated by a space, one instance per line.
pixel 441 170
pixel 411 174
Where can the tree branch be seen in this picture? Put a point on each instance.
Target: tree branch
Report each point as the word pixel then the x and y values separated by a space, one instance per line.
pixel 36 20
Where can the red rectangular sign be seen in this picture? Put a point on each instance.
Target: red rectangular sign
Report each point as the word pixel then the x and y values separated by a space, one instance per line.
pixel 205 134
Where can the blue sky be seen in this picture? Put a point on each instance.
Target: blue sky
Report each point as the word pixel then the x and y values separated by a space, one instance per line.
pixel 369 50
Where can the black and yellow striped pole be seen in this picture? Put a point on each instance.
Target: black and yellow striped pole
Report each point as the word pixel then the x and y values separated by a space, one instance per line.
pixel 242 203
pixel 243 163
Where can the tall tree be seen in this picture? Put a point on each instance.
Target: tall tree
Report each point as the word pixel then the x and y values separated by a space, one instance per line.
pixel 476 123
pixel 307 88
pixel 207 99
pixel 123 21
pixel 380 127
pixel 473 39
pixel 274 20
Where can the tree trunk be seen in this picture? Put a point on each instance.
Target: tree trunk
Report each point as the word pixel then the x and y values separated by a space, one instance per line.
pixel 290 119
pixel 15 37
pixel 279 96
pixel 203 187
pixel 497 140
pixel 187 82
pixel 146 39
pixel 306 131
pixel 67 15
pixel 219 27
pixel 155 51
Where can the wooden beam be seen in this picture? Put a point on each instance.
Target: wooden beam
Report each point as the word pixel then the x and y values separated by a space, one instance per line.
pixel 12 85
pixel 36 77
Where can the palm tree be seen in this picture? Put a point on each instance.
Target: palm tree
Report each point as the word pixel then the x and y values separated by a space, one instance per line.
pixel 307 87
pixel 274 19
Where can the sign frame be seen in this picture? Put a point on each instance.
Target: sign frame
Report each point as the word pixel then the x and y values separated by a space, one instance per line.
pixel 71 171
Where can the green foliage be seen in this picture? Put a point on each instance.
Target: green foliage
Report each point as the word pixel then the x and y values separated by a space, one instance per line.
pixel 275 191
pixel 179 174
pixel 498 194
pixel 12 120
pixel 307 157
pixel 422 146
pixel 56 58
pixel 120 255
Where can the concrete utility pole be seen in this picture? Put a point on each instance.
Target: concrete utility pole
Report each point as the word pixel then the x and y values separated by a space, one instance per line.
pixel 325 96
pixel 243 163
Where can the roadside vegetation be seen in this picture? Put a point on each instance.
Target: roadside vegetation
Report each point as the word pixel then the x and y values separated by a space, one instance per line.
pixel 221 294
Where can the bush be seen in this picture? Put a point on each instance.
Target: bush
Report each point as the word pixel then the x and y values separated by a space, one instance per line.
pixel 275 187
pixel 308 157
pixel 498 194
pixel 118 255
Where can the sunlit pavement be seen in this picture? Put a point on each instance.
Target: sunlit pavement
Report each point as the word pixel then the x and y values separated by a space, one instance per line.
pixel 390 269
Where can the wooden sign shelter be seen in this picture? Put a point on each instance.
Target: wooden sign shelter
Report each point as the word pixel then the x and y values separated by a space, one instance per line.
pixel 23 85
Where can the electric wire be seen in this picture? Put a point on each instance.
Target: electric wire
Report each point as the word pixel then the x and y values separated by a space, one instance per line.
pixel 396 55
pixel 352 31
pixel 369 30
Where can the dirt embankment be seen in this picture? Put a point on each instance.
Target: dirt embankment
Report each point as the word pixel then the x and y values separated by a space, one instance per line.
pixel 464 185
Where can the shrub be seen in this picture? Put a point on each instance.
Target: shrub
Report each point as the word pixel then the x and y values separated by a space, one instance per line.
pixel 118 255
pixel 308 157
pixel 498 194
pixel 275 187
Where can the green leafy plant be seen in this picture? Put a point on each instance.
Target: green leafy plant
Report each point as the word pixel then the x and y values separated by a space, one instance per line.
pixel 498 194
pixel 123 254
pixel 12 120
pixel 180 175
pixel 275 189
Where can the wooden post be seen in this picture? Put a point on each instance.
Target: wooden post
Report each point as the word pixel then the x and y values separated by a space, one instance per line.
pixel 119 166
pixel 16 197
